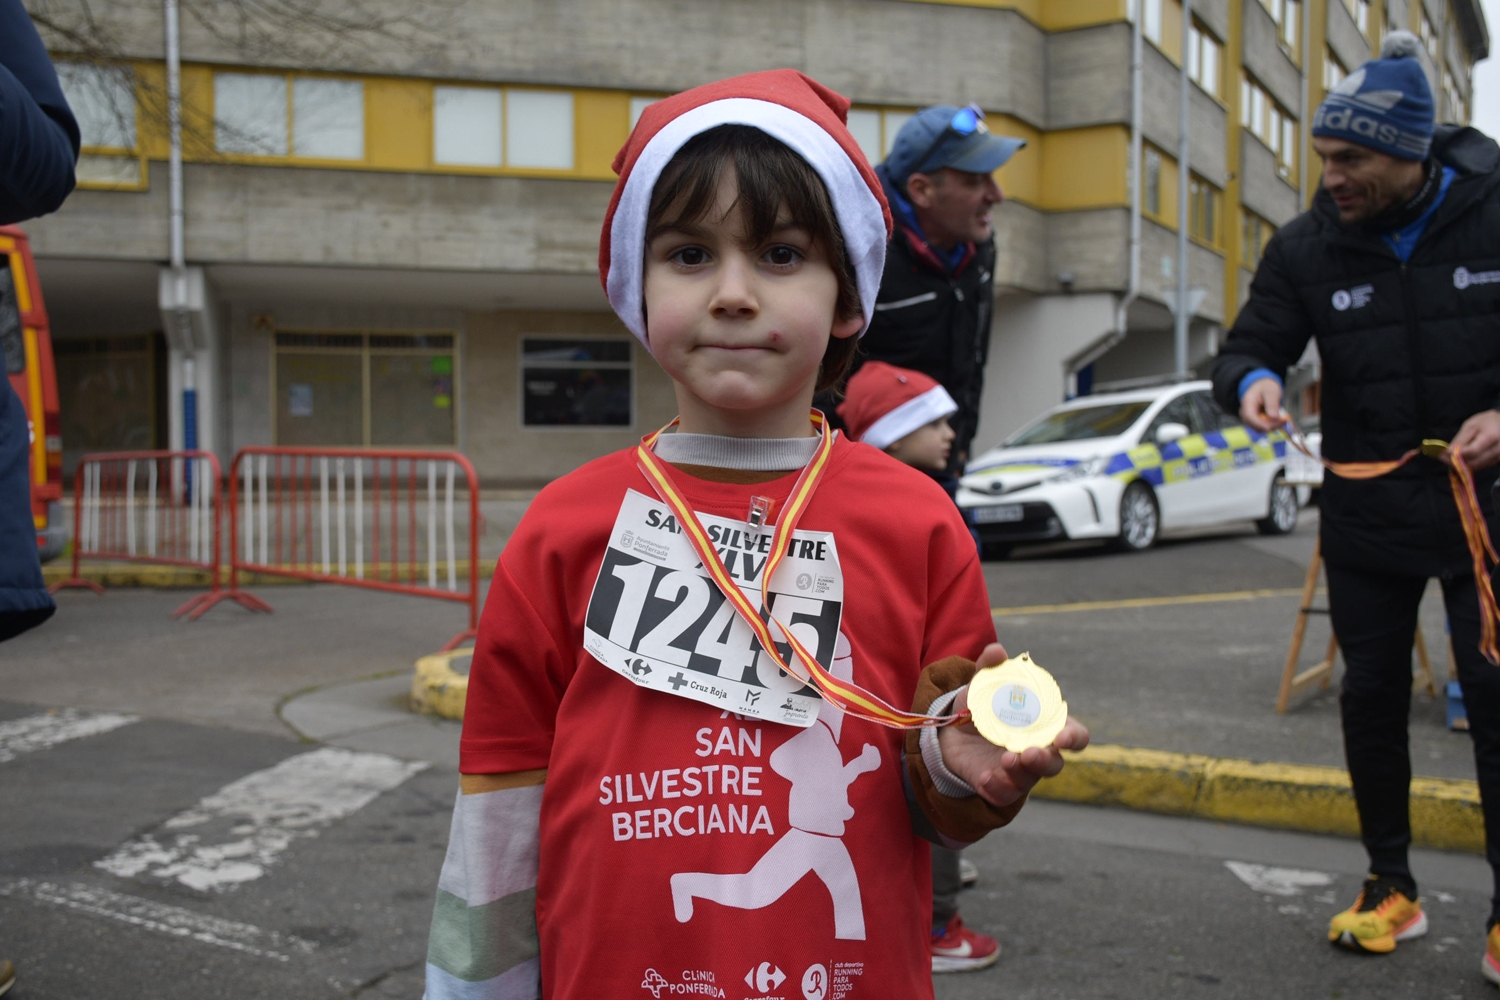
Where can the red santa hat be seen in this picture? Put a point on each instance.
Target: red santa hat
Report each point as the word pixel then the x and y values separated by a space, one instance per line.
pixel 796 110
pixel 883 403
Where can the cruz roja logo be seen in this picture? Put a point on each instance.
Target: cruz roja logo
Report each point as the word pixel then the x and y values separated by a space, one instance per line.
pixel 653 982
pixel 764 978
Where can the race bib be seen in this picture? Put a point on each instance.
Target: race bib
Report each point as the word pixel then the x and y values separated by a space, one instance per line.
pixel 656 618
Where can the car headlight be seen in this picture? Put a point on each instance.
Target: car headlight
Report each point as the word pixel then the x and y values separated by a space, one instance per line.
pixel 1083 470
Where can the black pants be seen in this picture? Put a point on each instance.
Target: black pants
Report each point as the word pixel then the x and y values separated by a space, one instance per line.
pixel 946 882
pixel 1375 618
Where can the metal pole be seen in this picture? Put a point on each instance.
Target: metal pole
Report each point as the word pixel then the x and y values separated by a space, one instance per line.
pixel 175 235
pixel 1182 314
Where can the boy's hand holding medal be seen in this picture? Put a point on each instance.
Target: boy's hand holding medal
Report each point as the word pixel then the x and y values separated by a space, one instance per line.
pixel 1032 710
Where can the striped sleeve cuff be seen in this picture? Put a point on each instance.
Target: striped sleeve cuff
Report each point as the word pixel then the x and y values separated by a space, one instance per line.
pixel 1254 377
pixel 944 780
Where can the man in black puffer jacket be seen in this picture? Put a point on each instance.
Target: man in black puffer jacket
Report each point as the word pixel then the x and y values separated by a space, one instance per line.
pixel 938 288
pixel 1396 271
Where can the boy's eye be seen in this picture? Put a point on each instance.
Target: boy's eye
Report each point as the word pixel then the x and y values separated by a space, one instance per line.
pixel 690 256
pixel 782 255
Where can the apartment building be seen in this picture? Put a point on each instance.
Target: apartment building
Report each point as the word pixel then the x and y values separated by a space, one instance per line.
pixel 397 246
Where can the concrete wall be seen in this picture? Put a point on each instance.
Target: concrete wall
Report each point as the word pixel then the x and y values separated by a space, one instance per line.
pixel 1159 270
pixel 1032 338
pixel 1021 234
pixel 1092 245
pixel 1088 73
pixel 287 215
pixel 1261 188
pixel 501 448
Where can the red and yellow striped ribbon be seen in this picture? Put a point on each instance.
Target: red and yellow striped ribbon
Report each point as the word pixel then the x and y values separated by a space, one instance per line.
pixel 1476 532
pixel 846 695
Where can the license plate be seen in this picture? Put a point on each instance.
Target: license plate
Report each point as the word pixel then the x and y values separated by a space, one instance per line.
pixel 990 515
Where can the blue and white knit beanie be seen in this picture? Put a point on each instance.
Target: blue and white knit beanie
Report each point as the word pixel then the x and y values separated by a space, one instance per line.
pixel 1385 105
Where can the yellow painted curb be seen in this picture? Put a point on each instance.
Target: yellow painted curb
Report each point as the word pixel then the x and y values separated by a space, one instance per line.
pixel 438 689
pixel 1444 812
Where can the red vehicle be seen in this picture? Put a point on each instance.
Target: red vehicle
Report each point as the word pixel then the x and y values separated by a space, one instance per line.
pixel 26 343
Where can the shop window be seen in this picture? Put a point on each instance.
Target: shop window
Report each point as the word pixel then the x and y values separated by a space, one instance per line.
pixel 1204 209
pixel 315 118
pixel 576 382
pixel 500 127
pixel 1205 56
pixel 365 390
pixel 103 101
pixel 110 394
pixel 1255 233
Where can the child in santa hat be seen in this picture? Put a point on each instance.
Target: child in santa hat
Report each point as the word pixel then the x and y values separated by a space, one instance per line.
pixel 644 788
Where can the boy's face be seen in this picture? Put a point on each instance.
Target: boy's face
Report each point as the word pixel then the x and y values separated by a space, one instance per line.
pixel 741 329
pixel 926 447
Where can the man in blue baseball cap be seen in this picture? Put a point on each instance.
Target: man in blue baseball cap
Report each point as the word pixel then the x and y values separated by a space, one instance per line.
pixel 1395 269
pixel 933 313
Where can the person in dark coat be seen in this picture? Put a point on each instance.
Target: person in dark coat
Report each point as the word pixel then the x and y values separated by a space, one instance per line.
pixel 938 289
pixel 1396 271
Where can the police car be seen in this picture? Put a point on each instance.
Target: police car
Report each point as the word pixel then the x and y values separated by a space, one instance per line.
pixel 1125 466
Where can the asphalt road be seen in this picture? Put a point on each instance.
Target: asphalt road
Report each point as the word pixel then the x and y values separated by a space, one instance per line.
pixel 144 851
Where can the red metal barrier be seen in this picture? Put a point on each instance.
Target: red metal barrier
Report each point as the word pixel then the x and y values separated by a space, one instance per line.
pixel 377 518
pixel 153 507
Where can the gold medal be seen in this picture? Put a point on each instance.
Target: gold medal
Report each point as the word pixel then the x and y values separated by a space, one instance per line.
pixel 1017 705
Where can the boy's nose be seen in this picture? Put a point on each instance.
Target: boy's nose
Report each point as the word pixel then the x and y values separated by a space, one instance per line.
pixel 734 294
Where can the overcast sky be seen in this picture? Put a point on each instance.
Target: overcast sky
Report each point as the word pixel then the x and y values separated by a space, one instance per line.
pixel 1487 77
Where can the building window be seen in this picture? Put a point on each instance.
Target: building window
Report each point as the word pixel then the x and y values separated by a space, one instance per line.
pixel 1205 56
pixel 875 130
pixel 103 101
pixel 495 127
pixel 365 389
pixel 1288 17
pixel 576 382
pixel 1333 70
pixel 1151 182
pixel 1270 123
pixel 1429 37
pixel 1455 110
pixel 1360 11
pixel 316 118
pixel 1151 23
pixel 1205 206
pixel 1255 233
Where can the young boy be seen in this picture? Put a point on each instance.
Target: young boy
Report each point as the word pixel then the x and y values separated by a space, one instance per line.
pixel 645 792
pixel 905 414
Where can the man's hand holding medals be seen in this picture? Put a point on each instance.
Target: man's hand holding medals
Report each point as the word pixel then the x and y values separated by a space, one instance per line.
pixel 1004 747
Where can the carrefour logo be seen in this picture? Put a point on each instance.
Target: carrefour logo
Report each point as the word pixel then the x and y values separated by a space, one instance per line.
pixel 1463 278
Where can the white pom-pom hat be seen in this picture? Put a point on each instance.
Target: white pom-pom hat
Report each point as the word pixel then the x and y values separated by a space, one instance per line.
pixel 792 108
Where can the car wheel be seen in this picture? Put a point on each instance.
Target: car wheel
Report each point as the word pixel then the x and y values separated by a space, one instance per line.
pixel 1140 520
pixel 1282 520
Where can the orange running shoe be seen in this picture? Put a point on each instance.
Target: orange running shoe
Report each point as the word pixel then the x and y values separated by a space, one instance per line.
pixel 1491 964
pixel 1381 916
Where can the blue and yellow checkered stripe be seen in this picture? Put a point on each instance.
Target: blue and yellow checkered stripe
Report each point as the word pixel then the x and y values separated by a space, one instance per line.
pixel 1197 455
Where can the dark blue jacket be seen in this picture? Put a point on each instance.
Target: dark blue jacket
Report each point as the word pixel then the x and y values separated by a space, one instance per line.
pixel 38 147
pixel 38 134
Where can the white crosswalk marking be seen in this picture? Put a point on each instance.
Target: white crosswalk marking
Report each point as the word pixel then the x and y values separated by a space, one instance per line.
pixel 173 920
pixel 48 729
pixel 1278 881
pixel 234 835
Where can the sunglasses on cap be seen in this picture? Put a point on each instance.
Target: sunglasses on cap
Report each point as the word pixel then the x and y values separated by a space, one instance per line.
pixel 965 123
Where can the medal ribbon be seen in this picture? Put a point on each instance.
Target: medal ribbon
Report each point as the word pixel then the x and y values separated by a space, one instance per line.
pixel 1476 532
pixel 846 695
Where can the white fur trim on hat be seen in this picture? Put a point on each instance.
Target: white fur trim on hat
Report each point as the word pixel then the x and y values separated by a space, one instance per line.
pixel 914 414
pixel 860 216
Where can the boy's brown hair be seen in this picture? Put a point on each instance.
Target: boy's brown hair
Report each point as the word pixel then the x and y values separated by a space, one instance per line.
pixel 769 175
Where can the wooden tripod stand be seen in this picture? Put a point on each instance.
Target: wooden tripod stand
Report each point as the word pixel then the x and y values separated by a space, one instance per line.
pixel 1294 682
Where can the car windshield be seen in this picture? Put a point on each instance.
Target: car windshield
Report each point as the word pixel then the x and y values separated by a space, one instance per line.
pixel 1082 423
